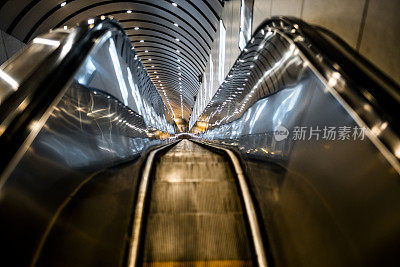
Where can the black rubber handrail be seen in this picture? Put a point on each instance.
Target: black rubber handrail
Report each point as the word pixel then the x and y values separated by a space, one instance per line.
pixel 369 82
pixel 46 84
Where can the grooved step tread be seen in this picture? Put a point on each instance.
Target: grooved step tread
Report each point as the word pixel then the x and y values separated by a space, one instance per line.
pixel 213 263
pixel 195 216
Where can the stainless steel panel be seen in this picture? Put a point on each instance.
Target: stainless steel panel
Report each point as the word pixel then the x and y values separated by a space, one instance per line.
pixel 322 202
pixel 88 131
pixel 85 133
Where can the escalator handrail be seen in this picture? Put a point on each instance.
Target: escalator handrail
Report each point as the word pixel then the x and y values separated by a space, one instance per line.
pixel 368 81
pixel 368 95
pixel 27 106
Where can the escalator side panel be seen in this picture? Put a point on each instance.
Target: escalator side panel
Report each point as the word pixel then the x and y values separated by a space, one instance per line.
pixel 91 229
pixel 83 135
pixel 320 157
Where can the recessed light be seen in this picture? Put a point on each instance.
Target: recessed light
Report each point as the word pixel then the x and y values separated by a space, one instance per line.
pixel 176 24
pixel 136 28
pixel 152 66
pixel 149 59
pixel 177 40
pixel 90 21
pixel 63 4
pixel 177 51
pixel 129 11
pixel 142 41
pixel 157 77
pixel 174 4
pixel 178 60
pixel 65 27
pixel 146 51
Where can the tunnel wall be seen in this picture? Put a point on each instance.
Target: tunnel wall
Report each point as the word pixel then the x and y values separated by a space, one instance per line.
pixel 9 45
pixel 370 26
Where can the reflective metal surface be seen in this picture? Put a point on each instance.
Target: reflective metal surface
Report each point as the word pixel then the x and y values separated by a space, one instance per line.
pixel 320 153
pixel 105 69
pixel 107 114
pixel 88 131
pixel 16 70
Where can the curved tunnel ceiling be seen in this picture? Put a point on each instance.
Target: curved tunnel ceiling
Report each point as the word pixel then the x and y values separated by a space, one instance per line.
pixel 173 38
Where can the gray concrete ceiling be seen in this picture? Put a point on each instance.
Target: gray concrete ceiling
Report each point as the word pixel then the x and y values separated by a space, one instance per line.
pixel 157 28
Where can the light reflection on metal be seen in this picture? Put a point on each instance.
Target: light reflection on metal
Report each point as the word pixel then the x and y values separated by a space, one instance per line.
pixel 274 78
pixel 9 80
pixel 54 43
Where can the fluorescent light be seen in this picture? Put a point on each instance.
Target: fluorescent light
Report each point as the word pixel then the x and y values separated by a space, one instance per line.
pixel 46 42
pixel 63 4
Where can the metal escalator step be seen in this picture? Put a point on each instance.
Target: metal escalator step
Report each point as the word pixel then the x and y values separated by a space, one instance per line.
pixel 195 216
pixel 203 196
pixel 211 263
pixel 193 236
pixel 175 171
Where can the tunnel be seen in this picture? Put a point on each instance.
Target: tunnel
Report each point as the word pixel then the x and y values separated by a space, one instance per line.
pixel 199 133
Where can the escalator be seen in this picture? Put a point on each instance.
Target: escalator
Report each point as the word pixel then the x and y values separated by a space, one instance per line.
pixel 194 216
pixel 293 162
